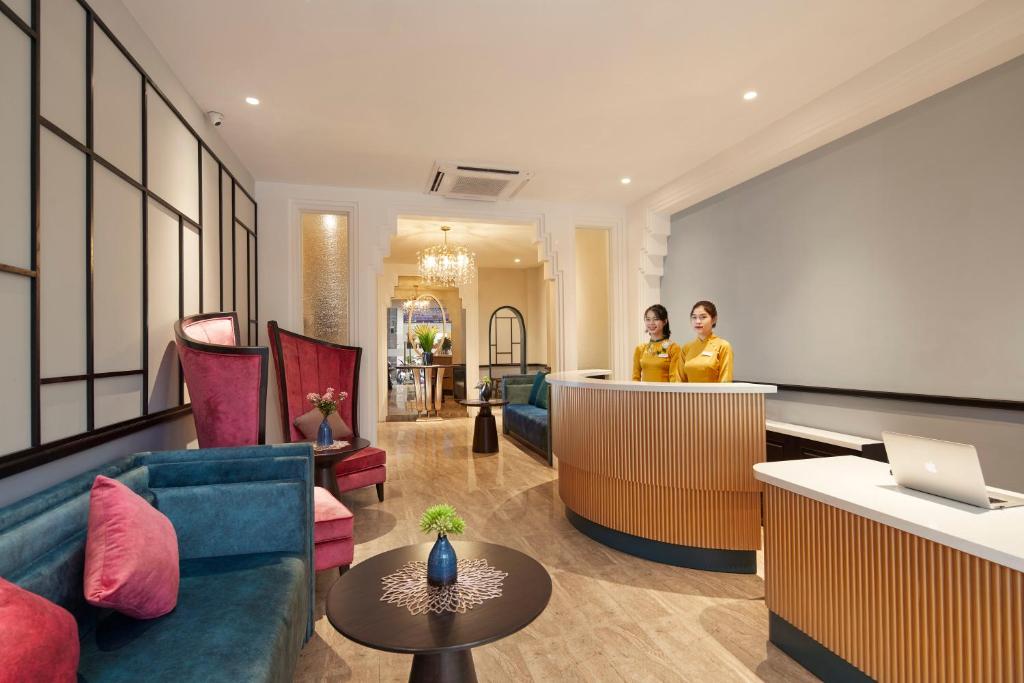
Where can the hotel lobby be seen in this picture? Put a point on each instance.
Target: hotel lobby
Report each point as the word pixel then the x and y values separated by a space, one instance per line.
pixel 453 341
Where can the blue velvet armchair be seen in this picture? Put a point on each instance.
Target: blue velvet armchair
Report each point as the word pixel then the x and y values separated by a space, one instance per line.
pixel 244 520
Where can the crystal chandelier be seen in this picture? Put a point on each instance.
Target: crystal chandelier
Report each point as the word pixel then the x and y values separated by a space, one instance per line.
pixel 446 266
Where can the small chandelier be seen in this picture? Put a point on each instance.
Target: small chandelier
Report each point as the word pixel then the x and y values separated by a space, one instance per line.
pixel 446 266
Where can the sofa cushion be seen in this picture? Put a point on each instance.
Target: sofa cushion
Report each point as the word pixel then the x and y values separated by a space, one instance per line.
pixel 542 394
pixel 38 639
pixel 239 618
pixel 131 553
pixel 333 520
pixel 308 423
pixel 363 460
pixel 538 381
pixel 517 393
pixel 528 422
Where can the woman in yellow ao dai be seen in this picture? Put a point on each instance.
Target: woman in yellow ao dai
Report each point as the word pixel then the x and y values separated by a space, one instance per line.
pixel 660 359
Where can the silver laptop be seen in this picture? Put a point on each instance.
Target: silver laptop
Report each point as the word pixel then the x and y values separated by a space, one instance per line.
pixel 942 468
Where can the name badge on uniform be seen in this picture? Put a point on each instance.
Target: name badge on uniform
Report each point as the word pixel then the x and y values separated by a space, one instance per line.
pixel 708 353
pixel 662 355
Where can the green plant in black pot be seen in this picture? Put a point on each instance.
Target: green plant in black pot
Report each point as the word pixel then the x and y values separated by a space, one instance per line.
pixel 442 565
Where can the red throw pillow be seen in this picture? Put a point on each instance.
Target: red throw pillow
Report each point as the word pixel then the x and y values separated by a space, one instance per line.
pixel 309 423
pixel 131 553
pixel 38 639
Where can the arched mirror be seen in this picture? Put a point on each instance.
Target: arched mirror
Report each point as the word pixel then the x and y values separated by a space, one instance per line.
pixel 506 339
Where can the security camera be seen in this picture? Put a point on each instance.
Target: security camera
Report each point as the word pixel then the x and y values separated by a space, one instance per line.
pixel 216 118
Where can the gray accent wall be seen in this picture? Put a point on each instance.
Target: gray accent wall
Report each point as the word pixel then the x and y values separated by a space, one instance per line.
pixel 889 260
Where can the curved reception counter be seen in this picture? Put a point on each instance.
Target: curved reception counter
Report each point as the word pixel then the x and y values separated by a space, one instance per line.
pixel 663 471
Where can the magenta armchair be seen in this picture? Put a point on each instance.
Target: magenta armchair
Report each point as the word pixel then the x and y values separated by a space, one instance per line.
pixel 227 383
pixel 307 365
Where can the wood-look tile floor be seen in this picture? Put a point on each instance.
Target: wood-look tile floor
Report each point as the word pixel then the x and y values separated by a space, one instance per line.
pixel 612 617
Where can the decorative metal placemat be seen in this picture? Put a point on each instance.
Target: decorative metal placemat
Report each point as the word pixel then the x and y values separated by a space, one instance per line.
pixel 408 587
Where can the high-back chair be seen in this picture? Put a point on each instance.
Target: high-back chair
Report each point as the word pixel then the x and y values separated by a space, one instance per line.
pixel 306 365
pixel 227 382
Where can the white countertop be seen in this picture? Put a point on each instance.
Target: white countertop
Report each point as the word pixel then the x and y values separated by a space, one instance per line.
pixel 835 438
pixel 583 378
pixel 865 487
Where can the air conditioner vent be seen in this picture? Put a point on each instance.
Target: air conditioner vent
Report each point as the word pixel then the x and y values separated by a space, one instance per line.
pixel 465 181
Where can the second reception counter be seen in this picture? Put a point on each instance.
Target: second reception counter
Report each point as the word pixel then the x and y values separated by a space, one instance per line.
pixel 662 470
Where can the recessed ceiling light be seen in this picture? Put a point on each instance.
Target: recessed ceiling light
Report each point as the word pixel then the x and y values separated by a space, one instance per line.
pixel 518 260
pixel 750 95
pixel 626 181
pixel 252 100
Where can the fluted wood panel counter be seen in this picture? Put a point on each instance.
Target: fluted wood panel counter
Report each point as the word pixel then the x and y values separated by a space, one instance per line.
pixel 662 470
pixel 865 580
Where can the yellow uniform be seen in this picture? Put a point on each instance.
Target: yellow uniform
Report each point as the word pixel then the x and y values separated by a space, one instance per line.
pixel 657 361
pixel 707 361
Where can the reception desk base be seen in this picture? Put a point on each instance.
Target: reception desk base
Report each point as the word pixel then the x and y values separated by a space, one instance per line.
pixel 707 559
pixel 812 655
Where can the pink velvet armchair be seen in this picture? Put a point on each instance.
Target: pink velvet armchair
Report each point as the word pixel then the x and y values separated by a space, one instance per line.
pixel 227 383
pixel 307 365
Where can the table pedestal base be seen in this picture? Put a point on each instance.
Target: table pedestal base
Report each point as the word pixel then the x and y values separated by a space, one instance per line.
pixel 443 667
pixel 326 478
pixel 485 433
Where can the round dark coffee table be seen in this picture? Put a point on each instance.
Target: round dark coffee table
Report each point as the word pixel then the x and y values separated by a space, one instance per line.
pixel 324 462
pixel 441 644
pixel 485 433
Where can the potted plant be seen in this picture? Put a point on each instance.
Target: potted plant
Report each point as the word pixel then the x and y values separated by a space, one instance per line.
pixel 442 565
pixel 326 403
pixel 485 388
pixel 446 346
pixel 425 337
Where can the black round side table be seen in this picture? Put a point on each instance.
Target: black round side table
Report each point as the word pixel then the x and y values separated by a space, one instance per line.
pixel 441 644
pixel 485 433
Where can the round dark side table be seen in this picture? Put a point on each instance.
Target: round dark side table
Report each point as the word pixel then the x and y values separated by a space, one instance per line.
pixel 485 433
pixel 325 460
pixel 441 644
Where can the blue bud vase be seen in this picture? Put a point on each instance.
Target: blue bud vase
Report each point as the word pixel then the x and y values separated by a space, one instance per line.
pixel 324 435
pixel 442 565
pixel 485 392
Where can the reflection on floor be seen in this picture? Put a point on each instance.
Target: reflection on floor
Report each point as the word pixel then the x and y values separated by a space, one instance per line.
pixel 402 405
pixel 612 617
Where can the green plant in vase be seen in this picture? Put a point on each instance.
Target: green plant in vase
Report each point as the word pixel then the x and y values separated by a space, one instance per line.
pixel 446 346
pixel 425 337
pixel 484 385
pixel 442 565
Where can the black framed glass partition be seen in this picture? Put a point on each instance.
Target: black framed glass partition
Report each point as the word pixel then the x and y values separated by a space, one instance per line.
pixel 118 220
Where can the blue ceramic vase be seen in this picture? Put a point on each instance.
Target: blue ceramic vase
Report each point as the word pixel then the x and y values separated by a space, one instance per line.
pixel 442 566
pixel 485 392
pixel 324 435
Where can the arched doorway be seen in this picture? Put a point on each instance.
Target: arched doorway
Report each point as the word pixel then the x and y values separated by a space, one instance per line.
pixel 506 335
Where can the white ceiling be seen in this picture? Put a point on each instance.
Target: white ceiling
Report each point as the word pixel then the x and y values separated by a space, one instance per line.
pixel 368 93
pixel 496 245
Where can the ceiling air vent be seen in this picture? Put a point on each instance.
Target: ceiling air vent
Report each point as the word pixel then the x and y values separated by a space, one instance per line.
pixel 463 181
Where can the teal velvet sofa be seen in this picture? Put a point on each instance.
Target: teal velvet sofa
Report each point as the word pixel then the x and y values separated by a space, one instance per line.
pixel 244 520
pixel 525 417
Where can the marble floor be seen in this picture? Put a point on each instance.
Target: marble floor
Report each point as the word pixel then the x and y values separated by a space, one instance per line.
pixel 612 617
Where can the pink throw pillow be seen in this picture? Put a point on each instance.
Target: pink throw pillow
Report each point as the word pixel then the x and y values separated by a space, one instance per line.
pixel 131 553
pixel 38 639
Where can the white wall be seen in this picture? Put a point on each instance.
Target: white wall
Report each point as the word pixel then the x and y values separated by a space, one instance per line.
pixel 593 322
pixel 374 218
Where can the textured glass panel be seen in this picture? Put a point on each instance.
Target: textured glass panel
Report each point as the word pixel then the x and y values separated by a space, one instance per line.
pixel 62 81
pixel 117 273
pixel 252 278
pixel 14 371
pixel 63 410
pixel 61 257
pixel 163 308
pixel 15 113
pixel 173 157
pixel 325 277
pixel 245 210
pixel 118 399
pixel 118 118
pixel 211 235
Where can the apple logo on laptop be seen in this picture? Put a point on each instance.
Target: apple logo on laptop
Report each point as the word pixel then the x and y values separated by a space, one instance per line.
pixel 930 466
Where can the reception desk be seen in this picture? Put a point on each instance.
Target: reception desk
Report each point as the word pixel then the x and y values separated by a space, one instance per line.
pixel 663 471
pixel 866 580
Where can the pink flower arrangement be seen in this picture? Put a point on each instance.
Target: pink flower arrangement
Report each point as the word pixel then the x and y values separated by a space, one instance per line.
pixel 327 402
